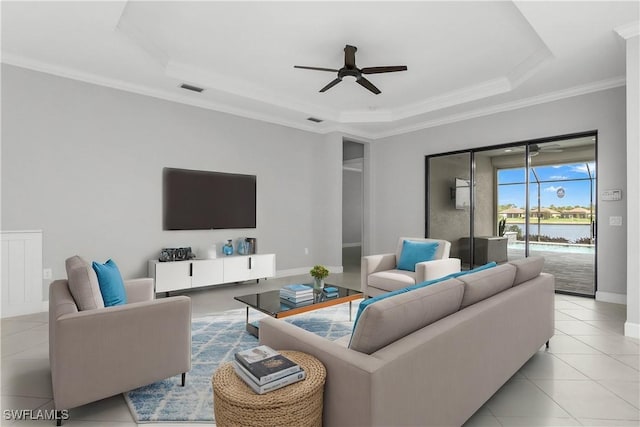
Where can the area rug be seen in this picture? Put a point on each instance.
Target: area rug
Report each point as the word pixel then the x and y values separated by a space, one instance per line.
pixel 215 339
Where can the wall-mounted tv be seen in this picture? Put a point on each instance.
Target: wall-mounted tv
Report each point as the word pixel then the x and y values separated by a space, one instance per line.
pixel 204 200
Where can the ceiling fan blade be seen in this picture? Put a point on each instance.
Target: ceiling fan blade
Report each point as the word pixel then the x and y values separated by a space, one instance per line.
pixel 315 68
pixel 330 85
pixel 350 56
pixel 389 69
pixel 367 84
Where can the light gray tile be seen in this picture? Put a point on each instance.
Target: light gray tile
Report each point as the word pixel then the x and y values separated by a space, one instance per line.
pixel 537 421
pixel 561 316
pixel 25 340
pixel 607 423
pixel 600 367
pixel 521 398
pixel 611 344
pixel 22 402
pixel 484 419
pixel 578 327
pixel 565 344
pixel 588 399
pixel 545 365
pixel 110 409
pixel 632 360
pixel 26 377
pixel 585 314
pixel 13 327
pixel 628 390
pixel 564 304
pixel 614 326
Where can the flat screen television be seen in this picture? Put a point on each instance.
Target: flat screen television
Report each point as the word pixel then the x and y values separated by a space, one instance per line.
pixel 204 200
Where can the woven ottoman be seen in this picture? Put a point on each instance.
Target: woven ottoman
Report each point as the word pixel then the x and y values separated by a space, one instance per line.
pixel 299 404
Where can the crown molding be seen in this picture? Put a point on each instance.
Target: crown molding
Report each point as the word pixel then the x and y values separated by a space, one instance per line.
pixel 509 106
pixel 629 30
pixel 91 78
pixel 320 128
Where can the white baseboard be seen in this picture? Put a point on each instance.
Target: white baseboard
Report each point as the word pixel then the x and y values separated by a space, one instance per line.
pixel 351 245
pixel 632 330
pixel 611 297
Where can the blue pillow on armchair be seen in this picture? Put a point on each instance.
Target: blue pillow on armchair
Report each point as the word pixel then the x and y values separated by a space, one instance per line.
pixel 414 252
pixel 111 283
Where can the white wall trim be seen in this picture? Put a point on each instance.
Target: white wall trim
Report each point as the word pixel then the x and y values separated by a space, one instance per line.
pixel 351 245
pixel 611 297
pixel 632 330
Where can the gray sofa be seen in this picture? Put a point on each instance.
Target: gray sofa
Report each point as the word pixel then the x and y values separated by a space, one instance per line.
pixel 434 355
pixel 97 353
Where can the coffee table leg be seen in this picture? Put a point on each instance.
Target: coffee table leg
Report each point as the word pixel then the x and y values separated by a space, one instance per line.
pixel 349 311
pixel 253 330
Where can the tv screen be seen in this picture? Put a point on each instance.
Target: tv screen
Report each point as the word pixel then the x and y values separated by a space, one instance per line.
pixel 203 200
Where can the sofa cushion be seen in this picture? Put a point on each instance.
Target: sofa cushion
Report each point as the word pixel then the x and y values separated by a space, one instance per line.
pixel 393 318
pixel 414 252
pixel 486 283
pixel 390 280
pixel 83 284
pixel 527 268
pixel 111 283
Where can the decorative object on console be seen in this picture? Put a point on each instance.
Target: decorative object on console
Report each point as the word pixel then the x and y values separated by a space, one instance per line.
pixel 228 248
pixel 319 273
pixel 252 245
pixel 176 254
pixel 242 246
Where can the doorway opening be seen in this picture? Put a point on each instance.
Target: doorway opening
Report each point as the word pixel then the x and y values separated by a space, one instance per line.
pixel 352 205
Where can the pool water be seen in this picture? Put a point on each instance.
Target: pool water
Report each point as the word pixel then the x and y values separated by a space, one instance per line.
pixel 555 247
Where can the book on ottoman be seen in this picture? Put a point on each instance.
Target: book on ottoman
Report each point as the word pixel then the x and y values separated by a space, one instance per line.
pixel 270 386
pixel 262 364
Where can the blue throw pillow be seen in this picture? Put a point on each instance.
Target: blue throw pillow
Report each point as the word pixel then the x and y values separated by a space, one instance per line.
pixel 111 283
pixel 367 302
pixel 414 252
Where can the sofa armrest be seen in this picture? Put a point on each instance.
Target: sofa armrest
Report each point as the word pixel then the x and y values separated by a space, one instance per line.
pixel 139 290
pixel 349 373
pixel 372 264
pixel 102 352
pixel 429 270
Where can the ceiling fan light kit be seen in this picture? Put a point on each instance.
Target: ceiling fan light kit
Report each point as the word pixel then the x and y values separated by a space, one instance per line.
pixel 351 70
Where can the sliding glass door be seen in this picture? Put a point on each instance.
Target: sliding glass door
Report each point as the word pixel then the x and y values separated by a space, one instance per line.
pixel 517 200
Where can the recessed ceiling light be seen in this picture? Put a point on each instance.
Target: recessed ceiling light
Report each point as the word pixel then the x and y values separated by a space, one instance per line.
pixel 508 150
pixel 314 119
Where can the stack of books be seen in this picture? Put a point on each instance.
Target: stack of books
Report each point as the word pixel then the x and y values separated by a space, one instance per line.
pixel 264 369
pixel 296 294
pixel 330 292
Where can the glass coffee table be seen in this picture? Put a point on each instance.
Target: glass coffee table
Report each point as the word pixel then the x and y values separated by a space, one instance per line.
pixel 270 303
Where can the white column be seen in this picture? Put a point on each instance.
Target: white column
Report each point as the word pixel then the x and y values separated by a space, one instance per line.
pixel 631 33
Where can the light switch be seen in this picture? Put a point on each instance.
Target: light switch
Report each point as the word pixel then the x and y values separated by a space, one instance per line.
pixel 615 221
pixel 611 195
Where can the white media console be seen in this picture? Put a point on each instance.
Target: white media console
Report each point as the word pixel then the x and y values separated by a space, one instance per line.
pixel 181 275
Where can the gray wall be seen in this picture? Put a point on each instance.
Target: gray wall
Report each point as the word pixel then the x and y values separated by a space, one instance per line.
pixel 398 162
pixel 84 164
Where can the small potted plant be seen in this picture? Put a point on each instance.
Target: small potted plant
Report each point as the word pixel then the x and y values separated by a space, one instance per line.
pixel 319 272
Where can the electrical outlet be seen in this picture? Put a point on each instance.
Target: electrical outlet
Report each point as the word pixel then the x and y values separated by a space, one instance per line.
pixel 615 221
pixel 47 273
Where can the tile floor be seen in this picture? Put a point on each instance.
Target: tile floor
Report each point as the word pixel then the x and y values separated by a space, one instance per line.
pixel 589 376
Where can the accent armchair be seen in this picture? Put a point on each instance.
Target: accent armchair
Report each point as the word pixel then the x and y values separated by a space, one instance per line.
pixel 102 352
pixel 380 273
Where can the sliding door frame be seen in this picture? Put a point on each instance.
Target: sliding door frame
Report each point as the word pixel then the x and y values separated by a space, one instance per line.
pixel 527 153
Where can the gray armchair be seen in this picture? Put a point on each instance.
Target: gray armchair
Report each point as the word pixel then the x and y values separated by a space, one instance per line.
pixel 379 273
pixel 102 352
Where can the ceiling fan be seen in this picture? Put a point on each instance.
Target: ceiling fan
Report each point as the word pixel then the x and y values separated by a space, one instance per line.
pixel 535 149
pixel 350 70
